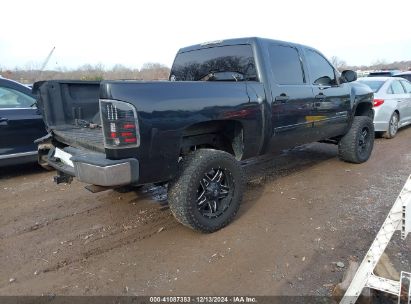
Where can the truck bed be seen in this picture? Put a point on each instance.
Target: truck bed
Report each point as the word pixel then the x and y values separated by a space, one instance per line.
pixel 68 108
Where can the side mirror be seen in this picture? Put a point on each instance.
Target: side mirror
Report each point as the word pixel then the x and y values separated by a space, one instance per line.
pixel 349 75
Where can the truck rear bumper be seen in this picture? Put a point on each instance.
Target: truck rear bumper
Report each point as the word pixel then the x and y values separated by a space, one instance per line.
pixel 111 175
pixel 94 168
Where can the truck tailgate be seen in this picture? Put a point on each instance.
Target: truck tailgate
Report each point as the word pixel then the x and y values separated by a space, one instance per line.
pixel 91 139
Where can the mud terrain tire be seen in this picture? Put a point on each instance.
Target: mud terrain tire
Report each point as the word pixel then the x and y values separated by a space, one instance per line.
pixel 356 146
pixel 207 192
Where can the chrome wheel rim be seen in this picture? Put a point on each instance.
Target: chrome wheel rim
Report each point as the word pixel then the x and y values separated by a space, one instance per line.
pixel 394 124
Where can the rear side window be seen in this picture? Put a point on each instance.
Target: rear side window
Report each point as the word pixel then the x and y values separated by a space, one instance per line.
pixel 396 88
pixel 407 86
pixel 321 71
pixel 228 63
pixel 286 65
pixel 12 99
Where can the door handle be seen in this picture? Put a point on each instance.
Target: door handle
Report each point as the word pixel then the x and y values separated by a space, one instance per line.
pixel 3 121
pixel 282 98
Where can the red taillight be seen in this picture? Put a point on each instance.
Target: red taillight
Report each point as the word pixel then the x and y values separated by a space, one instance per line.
pixel 378 102
pixel 130 140
pixel 125 134
pixel 129 126
pixel 120 124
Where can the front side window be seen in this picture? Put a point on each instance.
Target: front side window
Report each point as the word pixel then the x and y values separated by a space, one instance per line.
pixel 220 63
pixel 396 88
pixel 10 98
pixel 286 65
pixel 321 71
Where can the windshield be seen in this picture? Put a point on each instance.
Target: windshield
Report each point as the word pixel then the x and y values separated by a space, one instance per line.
pixel 222 63
pixel 375 85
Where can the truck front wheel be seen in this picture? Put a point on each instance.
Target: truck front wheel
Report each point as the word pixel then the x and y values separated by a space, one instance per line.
pixel 356 146
pixel 207 192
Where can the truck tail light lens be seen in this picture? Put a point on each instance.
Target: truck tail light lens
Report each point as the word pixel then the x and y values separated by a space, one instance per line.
pixel 120 124
pixel 378 102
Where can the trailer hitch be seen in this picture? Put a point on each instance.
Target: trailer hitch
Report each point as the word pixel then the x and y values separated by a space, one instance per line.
pixel 62 177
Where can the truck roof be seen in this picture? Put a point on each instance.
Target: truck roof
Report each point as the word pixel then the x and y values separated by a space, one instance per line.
pixel 234 41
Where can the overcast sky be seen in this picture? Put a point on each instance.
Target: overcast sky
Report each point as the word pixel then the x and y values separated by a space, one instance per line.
pixel 134 32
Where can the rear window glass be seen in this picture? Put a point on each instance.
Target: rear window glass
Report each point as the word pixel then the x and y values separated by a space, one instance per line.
pixel 373 84
pixel 405 76
pixel 379 74
pixel 228 63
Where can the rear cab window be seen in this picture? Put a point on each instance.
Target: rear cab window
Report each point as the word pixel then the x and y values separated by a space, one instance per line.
pixel 218 63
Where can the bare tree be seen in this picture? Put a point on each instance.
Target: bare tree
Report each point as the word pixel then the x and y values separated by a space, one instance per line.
pixel 154 71
pixel 338 63
pixel 379 64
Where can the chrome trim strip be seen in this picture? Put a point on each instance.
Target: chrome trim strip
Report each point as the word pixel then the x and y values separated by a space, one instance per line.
pixel 32 108
pixel 14 155
pixel 330 118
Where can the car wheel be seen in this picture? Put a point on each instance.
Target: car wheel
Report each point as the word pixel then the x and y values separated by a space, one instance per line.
pixel 207 192
pixel 393 126
pixel 356 146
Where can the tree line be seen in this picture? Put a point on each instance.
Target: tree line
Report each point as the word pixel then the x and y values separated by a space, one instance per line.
pixel 149 71
pixel 153 71
pixel 380 64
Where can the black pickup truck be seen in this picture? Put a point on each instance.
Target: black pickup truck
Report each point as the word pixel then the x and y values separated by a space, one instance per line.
pixel 225 101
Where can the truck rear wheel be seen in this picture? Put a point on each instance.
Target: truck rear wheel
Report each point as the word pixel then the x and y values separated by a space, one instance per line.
pixel 356 146
pixel 207 192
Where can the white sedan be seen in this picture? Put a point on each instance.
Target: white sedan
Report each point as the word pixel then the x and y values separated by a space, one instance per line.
pixel 392 103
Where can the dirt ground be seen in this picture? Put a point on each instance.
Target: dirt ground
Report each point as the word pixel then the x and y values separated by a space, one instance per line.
pixel 303 211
